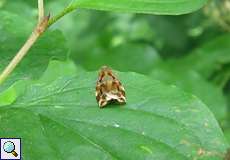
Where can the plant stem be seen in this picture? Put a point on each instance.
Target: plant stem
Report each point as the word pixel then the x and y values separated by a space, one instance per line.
pixel 43 24
pixel 39 29
pixel 60 15
pixel 41 10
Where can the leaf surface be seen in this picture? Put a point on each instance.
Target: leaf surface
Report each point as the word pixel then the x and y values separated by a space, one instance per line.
pixel 158 121
pixel 192 82
pixel 142 6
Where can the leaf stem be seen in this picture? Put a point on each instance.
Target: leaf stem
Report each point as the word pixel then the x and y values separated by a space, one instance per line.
pixel 67 10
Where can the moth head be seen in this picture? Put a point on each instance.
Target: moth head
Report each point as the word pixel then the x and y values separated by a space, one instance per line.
pixel 105 68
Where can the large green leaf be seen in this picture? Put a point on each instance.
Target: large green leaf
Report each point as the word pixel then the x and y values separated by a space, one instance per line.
pixel 59 119
pixel 14 30
pixel 142 6
pixel 211 59
pixel 194 83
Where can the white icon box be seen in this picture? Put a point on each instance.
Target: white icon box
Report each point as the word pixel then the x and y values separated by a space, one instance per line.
pixel 10 149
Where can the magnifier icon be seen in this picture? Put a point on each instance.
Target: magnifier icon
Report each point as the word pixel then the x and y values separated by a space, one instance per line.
pixel 9 147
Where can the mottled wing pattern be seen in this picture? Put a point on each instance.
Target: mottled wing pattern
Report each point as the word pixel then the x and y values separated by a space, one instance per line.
pixel 109 88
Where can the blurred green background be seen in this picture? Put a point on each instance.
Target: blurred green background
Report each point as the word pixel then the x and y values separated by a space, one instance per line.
pixel 190 51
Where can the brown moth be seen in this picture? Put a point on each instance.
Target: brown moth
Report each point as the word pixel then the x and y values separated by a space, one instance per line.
pixel 108 88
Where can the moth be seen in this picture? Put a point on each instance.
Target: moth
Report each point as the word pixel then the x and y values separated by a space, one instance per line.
pixel 108 88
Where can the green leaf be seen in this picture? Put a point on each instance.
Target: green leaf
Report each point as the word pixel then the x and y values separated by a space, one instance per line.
pixel 20 7
pixel 57 69
pixel 226 127
pixel 125 57
pixel 141 6
pixel 192 82
pixel 209 57
pixel 227 134
pixel 54 70
pixel 208 60
pixel 158 121
pixel 14 31
pixel 120 39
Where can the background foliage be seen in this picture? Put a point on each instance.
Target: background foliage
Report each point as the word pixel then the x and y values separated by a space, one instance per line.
pixel 176 70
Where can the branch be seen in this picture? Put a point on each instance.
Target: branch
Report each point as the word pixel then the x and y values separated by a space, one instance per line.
pixel 43 24
pixel 41 10
pixel 39 29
